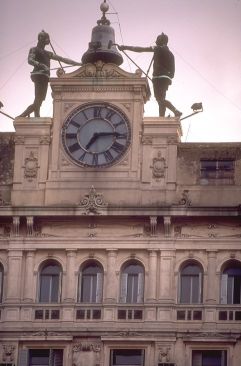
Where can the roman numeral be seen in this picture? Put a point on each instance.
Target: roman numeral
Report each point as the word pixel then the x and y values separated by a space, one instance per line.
pixel 95 159
pixel 70 135
pixel 74 123
pixel 122 136
pixel 108 156
pixel 117 147
pixel 74 147
pixel 81 158
pixel 85 115
pixel 97 112
pixel 120 123
pixel 109 114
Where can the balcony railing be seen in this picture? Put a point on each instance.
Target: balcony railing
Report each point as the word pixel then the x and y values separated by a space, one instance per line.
pixel 147 312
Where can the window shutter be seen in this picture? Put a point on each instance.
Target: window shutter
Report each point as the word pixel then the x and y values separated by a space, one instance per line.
pixel 1 283
pixel 57 357
pixel 23 357
pixel 60 286
pixel 79 286
pixel 123 287
pixel 197 358
pixel 200 284
pixel 179 288
pixel 224 289
pixel 99 286
pixel 51 357
pixel 140 290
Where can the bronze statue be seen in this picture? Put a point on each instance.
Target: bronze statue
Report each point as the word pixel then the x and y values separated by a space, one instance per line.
pixel 163 71
pixel 40 59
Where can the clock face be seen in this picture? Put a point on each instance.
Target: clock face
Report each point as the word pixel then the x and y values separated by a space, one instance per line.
pixel 96 135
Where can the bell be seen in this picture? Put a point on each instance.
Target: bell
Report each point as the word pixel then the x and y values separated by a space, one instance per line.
pixel 102 46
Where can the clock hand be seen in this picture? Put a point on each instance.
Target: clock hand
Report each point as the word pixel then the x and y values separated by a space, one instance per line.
pixel 97 134
pixel 92 140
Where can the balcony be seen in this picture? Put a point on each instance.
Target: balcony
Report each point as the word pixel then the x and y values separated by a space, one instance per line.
pixel 181 314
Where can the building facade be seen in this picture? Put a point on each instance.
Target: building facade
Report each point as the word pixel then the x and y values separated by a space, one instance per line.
pixel 119 244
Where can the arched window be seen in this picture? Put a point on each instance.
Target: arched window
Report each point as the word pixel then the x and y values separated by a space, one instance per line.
pixel 50 283
pixel 1 282
pixel 190 286
pixel 132 283
pixel 231 283
pixel 90 283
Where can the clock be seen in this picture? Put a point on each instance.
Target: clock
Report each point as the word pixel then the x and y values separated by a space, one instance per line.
pixel 96 135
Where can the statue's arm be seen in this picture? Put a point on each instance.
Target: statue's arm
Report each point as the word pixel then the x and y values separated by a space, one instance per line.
pixel 136 49
pixel 32 57
pixel 67 61
pixel 34 62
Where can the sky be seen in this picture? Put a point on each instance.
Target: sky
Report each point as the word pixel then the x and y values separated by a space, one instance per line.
pixel 204 36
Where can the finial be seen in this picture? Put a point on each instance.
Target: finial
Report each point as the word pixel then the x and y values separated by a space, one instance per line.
pixel 104 7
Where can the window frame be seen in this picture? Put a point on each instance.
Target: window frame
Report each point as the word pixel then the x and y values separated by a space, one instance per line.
pixel 1 282
pixel 219 173
pixel 96 280
pixel 59 289
pixel 191 278
pixel 227 293
pixel 132 285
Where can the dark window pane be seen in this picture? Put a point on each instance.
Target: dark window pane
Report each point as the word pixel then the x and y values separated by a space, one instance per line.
pixel 39 357
pixel 96 314
pixel 230 316
pixel 189 315
pixel 197 315
pixel 181 315
pixel 223 315
pixel 121 314
pixel 127 357
pixel 39 314
pixel 129 314
pixel 80 314
pixel 209 358
pixel 237 315
pixel 54 314
pixel 138 314
pixel 51 269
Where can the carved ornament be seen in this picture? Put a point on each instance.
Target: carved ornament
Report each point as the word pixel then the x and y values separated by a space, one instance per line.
pixel 93 202
pixel 158 166
pixel 31 167
pixel 8 353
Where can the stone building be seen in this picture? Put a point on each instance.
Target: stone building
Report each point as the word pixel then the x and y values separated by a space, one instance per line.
pixel 119 244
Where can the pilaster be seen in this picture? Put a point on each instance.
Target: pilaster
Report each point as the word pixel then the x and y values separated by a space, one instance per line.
pixel 32 141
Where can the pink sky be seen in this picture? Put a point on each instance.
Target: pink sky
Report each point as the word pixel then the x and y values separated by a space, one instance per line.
pixel 204 36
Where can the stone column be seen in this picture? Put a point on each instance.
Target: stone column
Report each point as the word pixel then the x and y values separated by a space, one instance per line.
pixel 166 276
pixel 28 295
pixel 211 277
pixel 152 276
pixel 14 276
pixel 111 285
pixel 70 278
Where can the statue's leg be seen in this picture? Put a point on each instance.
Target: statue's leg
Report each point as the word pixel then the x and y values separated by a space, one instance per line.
pixel 41 86
pixel 170 106
pixel 28 111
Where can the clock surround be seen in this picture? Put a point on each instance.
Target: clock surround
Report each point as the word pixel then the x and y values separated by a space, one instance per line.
pixel 96 135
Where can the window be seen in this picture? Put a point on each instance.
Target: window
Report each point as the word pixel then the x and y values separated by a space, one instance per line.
pixel 41 357
pixel 1 282
pixel 50 281
pixel 217 171
pixel 231 283
pixel 127 357
pixel 209 358
pixel 132 283
pixel 190 287
pixel 90 283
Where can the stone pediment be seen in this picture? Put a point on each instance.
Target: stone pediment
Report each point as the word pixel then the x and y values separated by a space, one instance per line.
pixel 99 70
